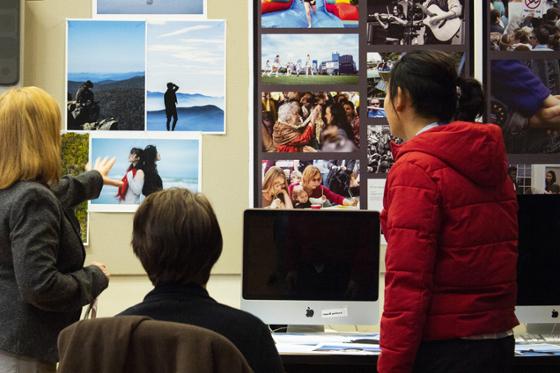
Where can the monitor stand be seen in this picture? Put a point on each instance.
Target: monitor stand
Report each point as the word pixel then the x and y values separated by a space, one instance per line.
pixel 305 329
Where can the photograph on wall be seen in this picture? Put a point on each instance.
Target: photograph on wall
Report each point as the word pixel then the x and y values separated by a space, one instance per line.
pixel 310 13
pixel 379 66
pixel 185 80
pixel 144 166
pixel 524 26
pixel 309 59
pixel 167 8
pixel 379 155
pixel 75 151
pixel 312 184
pixel 105 86
pixel 524 101
pixel 416 22
pixel 535 178
pixel 295 122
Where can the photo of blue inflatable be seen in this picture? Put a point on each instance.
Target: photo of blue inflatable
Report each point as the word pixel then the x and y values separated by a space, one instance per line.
pixel 323 13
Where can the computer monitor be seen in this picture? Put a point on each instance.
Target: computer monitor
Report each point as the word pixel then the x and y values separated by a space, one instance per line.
pixel 311 267
pixel 538 278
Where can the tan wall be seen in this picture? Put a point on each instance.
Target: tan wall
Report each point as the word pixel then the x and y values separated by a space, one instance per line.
pixel 225 159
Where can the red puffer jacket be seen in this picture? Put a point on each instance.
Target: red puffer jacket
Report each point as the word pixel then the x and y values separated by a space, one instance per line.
pixel 450 220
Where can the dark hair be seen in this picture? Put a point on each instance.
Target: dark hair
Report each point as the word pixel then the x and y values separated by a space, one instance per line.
pixel 542 34
pixel 340 119
pixel 138 152
pixel 553 176
pixel 88 83
pixel 495 15
pixel 170 85
pixel 430 79
pixel 152 180
pixel 177 237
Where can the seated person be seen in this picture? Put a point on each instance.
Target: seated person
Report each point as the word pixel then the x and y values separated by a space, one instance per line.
pixel 300 199
pixel 178 239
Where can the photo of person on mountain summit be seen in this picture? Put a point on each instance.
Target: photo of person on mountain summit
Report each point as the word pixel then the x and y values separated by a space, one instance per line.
pixel 170 99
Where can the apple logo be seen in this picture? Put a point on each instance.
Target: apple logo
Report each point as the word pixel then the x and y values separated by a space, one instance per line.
pixel 309 312
pixel 554 314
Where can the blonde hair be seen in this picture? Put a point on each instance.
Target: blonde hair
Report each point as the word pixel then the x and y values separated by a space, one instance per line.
pixel 309 173
pixel 270 176
pixel 29 137
pixel 297 191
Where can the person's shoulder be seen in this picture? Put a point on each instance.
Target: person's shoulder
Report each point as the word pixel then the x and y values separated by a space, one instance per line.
pixel 239 316
pixel 31 190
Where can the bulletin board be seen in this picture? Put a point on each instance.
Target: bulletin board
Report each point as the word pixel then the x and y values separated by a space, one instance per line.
pixel 342 53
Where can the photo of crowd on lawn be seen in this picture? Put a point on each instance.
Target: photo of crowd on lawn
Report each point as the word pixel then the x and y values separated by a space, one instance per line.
pixel 524 26
pixel 295 122
pixel 315 184
pixel 309 59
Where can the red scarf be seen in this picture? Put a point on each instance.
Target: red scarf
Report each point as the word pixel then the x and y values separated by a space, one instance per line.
pixel 124 187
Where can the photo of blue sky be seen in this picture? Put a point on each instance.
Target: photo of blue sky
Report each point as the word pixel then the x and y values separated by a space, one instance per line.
pixel 178 167
pixel 190 54
pixel 193 7
pixel 320 47
pixel 105 48
pixel 110 54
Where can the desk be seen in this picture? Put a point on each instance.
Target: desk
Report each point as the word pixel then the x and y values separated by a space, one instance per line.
pixel 302 362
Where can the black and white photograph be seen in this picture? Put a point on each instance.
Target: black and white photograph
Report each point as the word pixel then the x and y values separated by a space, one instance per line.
pixel 415 22
pixel 295 122
pixel 524 26
pixel 379 155
pixel 524 101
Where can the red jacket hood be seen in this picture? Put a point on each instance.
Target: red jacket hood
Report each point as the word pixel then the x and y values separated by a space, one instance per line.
pixel 474 150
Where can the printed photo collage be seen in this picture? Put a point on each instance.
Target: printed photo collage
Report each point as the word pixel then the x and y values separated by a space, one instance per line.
pixel 321 72
pixel 144 81
pixel 522 61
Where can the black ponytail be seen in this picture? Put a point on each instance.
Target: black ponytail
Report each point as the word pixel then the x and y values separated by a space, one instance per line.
pixel 470 103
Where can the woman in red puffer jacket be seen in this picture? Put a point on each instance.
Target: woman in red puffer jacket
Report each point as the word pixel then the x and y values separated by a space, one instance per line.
pixel 450 220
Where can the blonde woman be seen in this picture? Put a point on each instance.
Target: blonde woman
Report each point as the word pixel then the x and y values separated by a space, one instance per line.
pixel 311 182
pixel 275 190
pixel 44 283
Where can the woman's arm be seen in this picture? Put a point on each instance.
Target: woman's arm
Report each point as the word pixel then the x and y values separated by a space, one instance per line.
pixel 412 212
pixel 35 227
pixel 73 190
pixel 333 197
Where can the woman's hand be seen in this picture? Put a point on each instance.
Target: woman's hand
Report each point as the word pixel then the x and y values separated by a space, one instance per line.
pixel 103 268
pixel 103 166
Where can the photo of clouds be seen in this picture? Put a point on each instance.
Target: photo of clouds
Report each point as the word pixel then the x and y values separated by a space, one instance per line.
pixel 105 75
pixel 177 164
pixel 187 7
pixel 309 58
pixel 186 76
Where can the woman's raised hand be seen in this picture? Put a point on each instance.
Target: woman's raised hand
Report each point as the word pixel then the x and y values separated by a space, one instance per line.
pixel 103 166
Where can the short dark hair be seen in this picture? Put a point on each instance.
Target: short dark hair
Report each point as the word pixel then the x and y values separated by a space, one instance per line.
pixel 177 237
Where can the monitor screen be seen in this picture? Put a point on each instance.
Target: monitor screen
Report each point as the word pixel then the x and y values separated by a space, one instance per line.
pixel 539 258
pixel 324 263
